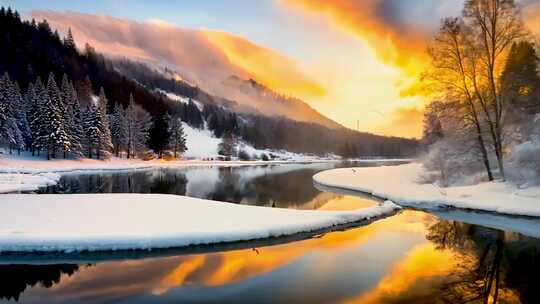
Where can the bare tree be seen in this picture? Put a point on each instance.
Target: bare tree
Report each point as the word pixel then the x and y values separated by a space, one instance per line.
pixel 495 25
pixel 452 75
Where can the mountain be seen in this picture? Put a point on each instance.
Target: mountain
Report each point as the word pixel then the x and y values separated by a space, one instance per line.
pixel 253 96
pixel 33 49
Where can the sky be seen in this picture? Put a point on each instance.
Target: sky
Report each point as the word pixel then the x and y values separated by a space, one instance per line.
pixel 355 61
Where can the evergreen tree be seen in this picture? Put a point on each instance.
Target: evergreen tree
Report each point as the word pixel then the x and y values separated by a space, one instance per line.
pixel 19 109
pixel 178 138
pixel 159 134
pixel 76 132
pixel 91 128
pixel 118 128
pixel 138 123
pixel 104 144
pixel 9 130
pixel 69 41
pixel 31 113
pixel 58 136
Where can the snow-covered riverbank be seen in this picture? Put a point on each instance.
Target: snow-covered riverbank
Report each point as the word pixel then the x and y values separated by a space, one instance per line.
pixel 27 173
pixel 20 173
pixel 402 185
pixel 93 222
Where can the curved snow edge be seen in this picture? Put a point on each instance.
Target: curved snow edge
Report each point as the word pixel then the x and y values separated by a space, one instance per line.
pixel 103 222
pixel 399 184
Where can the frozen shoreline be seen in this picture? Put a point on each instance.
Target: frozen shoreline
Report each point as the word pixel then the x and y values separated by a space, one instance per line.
pixel 30 173
pixel 401 185
pixel 98 222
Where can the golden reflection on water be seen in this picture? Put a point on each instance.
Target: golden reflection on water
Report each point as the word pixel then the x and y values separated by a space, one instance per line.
pixel 409 271
pixel 233 266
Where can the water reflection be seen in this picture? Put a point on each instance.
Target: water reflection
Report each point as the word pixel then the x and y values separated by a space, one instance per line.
pixel 283 186
pixel 412 257
pixel 14 279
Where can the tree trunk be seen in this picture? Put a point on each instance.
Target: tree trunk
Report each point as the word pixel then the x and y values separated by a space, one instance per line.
pixel 483 150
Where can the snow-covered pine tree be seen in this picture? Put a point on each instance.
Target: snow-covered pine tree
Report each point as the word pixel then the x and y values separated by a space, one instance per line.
pixel 10 134
pixel 138 123
pixel 58 136
pixel 104 146
pixel 118 128
pixel 178 137
pixel 37 95
pixel 91 130
pixel 31 107
pixel 70 105
pixel 41 123
pixel 77 132
pixel 19 109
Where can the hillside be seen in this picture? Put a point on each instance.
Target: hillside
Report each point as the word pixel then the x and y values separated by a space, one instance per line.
pixel 33 49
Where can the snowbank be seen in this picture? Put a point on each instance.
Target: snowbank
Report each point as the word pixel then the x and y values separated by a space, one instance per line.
pixel 401 185
pixel 15 182
pixel 94 222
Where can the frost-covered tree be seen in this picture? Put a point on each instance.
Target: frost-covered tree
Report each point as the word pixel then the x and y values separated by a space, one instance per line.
pixel 118 129
pixel 9 131
pixel 31 107
pixel 76 124
pixel 178 137
pixel 71 116
pixel 138 123
pixel 101 132
pixel 57 133
pixel 19 109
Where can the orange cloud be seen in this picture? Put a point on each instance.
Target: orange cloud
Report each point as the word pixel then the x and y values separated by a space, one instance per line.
pixel 267 66
pixel 203 57
pixel 395 39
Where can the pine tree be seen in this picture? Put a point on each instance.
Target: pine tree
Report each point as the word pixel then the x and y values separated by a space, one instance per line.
pixel 37 96
pixel 58 136
pixel 9 130
pixel 104 144
pixel 118 128
pixel 41 122
pixel 91 127
pixel 69 41
pixel 31 108
pixel 76 123
pixel 19 109
pixel 159 134
pixel 178 138
pixel 138 123
pixel 70 110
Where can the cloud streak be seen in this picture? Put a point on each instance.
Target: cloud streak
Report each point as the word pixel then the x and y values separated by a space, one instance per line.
pixel 397 31
pixel 202 56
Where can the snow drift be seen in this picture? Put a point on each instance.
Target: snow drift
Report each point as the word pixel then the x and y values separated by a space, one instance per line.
pixel 94 222
pixel 402 185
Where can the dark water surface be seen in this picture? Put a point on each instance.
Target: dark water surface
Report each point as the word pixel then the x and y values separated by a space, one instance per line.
pixel 411 257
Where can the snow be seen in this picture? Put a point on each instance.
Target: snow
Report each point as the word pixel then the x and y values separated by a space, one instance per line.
pixel 179 98
pixel 200 143
pixel 402 185
pixel 98 222
pixel 14 182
